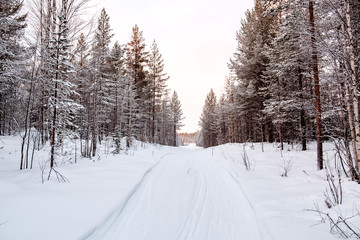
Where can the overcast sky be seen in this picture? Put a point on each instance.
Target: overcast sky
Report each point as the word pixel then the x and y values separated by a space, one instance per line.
pixel 195 37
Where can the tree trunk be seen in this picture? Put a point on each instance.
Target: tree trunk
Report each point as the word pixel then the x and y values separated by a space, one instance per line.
pixel 302 113
pixel 174 132
pixel 53 132
pixel 348 99
pixel 346 130
pixel 354 90
pixel 316 87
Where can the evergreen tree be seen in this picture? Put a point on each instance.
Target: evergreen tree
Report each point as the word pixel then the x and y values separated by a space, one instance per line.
pixel 12 61
pixel 117 91
pixel 177 117
pixel 62 106
pixel 249 65
pixel 157 88
pixel 100 99
pixel 136 60
pixel 208 121
pixel 83 86
pixel 130 112
pixel 165 122
pixel 287 75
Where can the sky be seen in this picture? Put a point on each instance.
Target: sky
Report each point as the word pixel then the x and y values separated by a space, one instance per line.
pixel 195 37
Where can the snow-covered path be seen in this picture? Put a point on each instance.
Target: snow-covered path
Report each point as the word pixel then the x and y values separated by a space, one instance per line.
pixel 183 196
pixel 166 193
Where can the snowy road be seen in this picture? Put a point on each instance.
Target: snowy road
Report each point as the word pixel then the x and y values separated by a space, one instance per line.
pixel 185 195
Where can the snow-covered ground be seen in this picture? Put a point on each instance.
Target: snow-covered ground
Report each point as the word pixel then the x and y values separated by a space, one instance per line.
pixel 165 193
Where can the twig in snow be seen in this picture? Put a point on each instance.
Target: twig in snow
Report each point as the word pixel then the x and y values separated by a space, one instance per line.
pixel 339 225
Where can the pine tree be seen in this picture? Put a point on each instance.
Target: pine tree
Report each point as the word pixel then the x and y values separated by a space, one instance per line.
pixel 136 60
pixel 208 121
pixel 157 87
pixel 117 76
pixel 83 87
pixel 130 112
pixel 165 122
pixel 100 100
pixel 63 107
pixel 249 65
pixel 177 117
pixel 12 56
pixel 287 74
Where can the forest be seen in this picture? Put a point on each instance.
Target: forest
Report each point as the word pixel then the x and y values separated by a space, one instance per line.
pixel 61 78
pixel 293 78
pixel 89 128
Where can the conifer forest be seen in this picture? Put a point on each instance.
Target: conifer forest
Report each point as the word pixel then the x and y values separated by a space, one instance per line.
pixel 293 78
pixel 67 83
pixel 92 139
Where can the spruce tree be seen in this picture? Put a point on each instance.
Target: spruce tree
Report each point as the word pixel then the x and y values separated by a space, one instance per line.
pixel 287 80
pixel 100 68
pixel 177 117
pixel 117 91
pixel 248 66
pixel 62 105
pixel 83 86
pixel 157 88
pixel 208 121
pixel 12 61
pixel 136 60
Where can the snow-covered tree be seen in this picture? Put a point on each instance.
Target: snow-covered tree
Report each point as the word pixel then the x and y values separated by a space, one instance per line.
pixel 176 115
pixel 136 61
pixel 248 66
pixel 12 61
pixel 288 74
pixel 83 82
pixel 62 106
pixel 208 121
pixel 117 91
pixel 157 88
pixel 101 101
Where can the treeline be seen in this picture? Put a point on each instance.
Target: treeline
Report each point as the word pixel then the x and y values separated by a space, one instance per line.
pixel 71 84
pixel 293 78
pixel 185 139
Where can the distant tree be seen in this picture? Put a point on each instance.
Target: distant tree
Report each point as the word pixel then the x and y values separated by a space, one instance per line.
pixel 177 116
pixel 165 122
pixel 248 66
pixel 129 111
pixel 136 60
pixel 83 82
pixel 100 69
pixel 208 121
pixel 117 91
pixel 157 88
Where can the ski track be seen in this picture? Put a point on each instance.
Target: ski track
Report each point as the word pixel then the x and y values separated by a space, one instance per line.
pixel 197 206
pixel 184 196
pixel 112 219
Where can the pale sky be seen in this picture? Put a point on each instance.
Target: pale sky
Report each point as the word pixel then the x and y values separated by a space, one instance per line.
pixel 195 37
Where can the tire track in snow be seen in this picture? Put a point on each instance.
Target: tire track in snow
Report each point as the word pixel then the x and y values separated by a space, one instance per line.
pixel 108 223
pixel 195 210
pixel 260 224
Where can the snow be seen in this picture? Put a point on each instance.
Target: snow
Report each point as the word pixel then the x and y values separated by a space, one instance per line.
pixel 158 192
